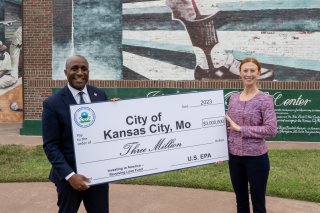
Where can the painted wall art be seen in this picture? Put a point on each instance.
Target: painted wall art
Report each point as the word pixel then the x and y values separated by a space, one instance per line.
pixel 207 39
pixel 11 68
pixel 92 29
pixel 189 39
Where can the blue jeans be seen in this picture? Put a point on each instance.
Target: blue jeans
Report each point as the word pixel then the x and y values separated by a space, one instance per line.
pixel 255 171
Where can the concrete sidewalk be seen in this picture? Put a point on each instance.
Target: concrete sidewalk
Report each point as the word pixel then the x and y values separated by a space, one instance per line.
pixel 41 197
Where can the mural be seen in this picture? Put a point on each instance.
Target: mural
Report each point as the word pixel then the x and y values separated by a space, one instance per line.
pixel 10 61
pixel 92 29
pixel 188 39
pixel 206 39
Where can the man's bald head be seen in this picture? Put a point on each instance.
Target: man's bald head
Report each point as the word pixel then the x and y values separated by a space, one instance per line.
pixel 71 58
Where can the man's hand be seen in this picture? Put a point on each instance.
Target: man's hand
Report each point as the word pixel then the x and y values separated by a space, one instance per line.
pixel 233 126
pixel 79 182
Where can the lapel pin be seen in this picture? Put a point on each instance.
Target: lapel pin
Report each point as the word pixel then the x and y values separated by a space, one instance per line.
pixel 95 94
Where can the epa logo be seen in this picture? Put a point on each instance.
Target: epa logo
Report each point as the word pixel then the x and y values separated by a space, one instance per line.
pixel 84 117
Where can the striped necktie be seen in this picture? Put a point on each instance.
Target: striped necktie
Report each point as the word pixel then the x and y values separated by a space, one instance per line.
pixel 81 98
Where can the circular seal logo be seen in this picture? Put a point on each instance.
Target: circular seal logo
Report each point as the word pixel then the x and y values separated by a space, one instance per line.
pixel 84 117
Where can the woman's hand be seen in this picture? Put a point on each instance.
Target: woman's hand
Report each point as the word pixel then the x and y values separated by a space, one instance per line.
pixel 115 99
pixel 233 126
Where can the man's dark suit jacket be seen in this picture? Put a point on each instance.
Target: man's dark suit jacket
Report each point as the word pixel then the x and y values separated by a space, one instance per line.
pixel 57 130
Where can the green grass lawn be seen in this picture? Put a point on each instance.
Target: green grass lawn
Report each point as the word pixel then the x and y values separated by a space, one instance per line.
pixel 294 174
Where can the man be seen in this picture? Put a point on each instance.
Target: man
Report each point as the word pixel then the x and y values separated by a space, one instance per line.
pixel 6 79
pixel 71 187
pixel 15 49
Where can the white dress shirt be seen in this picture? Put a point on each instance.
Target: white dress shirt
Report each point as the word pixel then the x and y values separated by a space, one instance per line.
pixel 76 96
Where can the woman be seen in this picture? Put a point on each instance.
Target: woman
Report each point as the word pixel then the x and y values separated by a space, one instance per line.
pixel 251 118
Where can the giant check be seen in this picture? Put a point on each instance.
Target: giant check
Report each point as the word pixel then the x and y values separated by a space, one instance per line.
pixel 131 138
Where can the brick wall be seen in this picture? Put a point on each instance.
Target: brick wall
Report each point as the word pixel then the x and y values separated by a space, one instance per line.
pixel 37 81
pixel 37 36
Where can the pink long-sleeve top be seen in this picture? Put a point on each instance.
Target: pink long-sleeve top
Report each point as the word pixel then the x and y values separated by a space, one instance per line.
pixel 257 119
